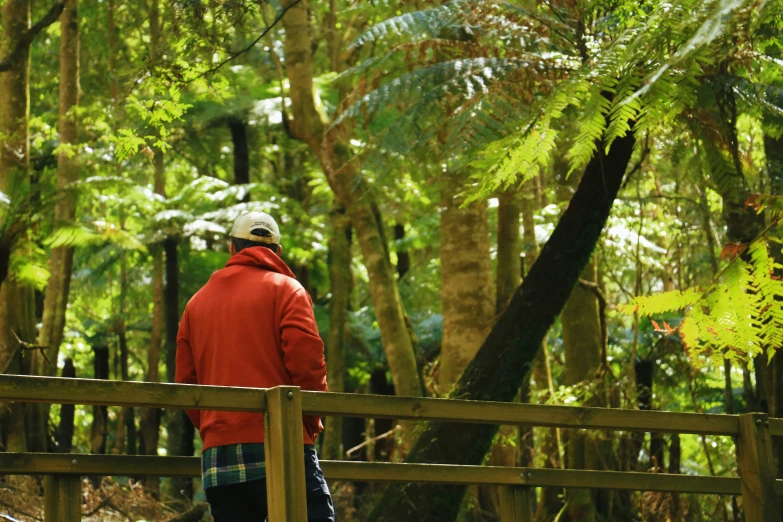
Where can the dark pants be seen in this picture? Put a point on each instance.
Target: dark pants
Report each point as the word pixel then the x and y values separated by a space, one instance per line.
pixel 246 501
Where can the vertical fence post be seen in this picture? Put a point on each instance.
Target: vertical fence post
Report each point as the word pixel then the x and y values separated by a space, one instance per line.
pixel 62 498
pixel 284 454
pixel 515 504
pixel 757 469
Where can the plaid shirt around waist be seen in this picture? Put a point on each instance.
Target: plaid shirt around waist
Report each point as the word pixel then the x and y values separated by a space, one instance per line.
pixel 232 464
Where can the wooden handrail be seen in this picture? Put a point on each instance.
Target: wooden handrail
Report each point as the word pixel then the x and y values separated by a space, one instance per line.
pixel 58 390
pixel 284 407
pixel 141 466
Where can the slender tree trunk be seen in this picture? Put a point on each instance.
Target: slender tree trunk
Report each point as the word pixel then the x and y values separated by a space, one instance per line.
pixel 509 269
pixel 241 153
pixel 340 283
pixel 341 168
pixel 65 431
pixel 467 290
pixel 14 164
pixel 100 416
pixel 403 257
pixel 150 418
pixel 126 428
pixel 179 428
pixel 498 369
pixel 514 445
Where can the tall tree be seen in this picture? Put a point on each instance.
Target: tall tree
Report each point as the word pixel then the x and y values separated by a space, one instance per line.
pixel 309 124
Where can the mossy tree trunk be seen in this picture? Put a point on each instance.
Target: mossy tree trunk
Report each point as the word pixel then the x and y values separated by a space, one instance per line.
pixel 507 355
pixel 342 171
pixel 340 283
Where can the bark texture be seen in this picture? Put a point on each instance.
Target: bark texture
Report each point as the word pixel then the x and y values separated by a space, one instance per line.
pixel 309 125
pixel 340 283
pixel 506 356
pixel 467 289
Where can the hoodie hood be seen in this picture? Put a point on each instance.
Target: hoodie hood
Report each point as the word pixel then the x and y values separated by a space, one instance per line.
pixel 260 257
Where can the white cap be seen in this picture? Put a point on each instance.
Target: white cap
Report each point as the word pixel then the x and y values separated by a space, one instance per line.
pixel 246 224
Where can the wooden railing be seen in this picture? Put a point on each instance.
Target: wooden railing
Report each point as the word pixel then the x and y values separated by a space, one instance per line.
pixel 284 406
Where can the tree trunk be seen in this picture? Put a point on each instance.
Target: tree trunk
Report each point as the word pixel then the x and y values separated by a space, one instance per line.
pixel 340 283
pixel 467 290
pixel 342 172
pixel 497 371
pixel 150 418
pixel 582 346
pixel 126 428
pixel 14 164
pixel 179 428
pixel 509 269
pixel 241 153
pixel 100 417
pixel 65 431
pixel 505 452
pixel 403 257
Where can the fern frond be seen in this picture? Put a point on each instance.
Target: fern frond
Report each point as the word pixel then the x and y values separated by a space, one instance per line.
pixel 661 303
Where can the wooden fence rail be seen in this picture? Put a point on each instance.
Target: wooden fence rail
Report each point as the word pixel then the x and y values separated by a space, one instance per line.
pixel 284 406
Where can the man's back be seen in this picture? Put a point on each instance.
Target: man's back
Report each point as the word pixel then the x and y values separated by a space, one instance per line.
pixel 251 325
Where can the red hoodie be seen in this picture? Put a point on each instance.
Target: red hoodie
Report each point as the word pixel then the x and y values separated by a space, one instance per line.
pixel 251 325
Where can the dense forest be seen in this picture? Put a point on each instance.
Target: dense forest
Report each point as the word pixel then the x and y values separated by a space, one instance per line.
pixel 569 202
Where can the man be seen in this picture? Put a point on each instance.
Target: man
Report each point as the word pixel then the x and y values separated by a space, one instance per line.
pixel 251 325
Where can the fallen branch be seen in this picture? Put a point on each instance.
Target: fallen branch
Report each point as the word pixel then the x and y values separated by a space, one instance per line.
pixel 374 439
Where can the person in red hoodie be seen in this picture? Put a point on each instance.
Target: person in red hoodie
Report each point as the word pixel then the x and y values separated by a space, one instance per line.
pixel 251 325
